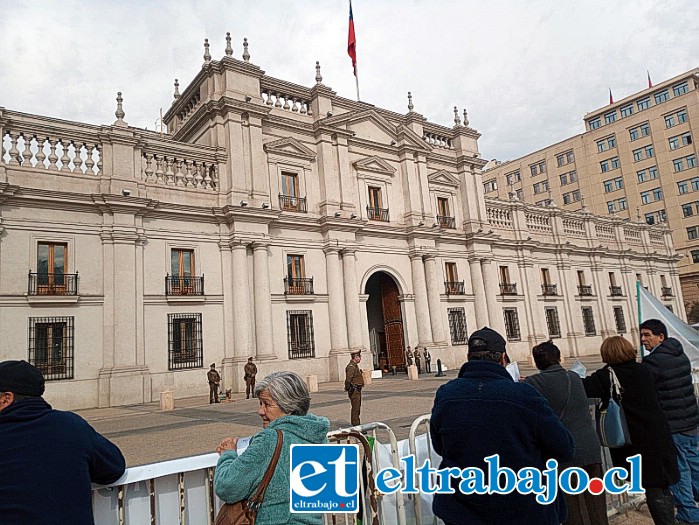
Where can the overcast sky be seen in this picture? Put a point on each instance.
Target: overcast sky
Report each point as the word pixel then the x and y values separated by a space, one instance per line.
pixel 527 71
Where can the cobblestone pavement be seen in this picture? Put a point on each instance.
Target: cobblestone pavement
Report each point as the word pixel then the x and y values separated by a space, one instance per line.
pixel 147 435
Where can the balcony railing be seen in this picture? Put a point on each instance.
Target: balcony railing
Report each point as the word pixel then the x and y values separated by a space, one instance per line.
pixel 296 286
pixel 292 203
pixel 53 284
pixel 446 222
pixel 508 288
pixel 615 291
pixel 184 285
pixel 584 289
pixel 454 287
pixel 377 214
pixel 666 291
pixel 549 289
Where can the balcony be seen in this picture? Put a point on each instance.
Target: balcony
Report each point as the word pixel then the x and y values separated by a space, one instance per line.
pixel 549 289
pixel 615 291
pixel 296 286
pixel 446 222
pixel 377 214
pixel 454 287
pixel 508 288
pixel 666 291
pixel 179 285
pixel 292 203
pixel 65 284
pixel 584 289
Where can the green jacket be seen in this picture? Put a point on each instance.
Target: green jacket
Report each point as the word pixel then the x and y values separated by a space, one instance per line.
pixel 238 476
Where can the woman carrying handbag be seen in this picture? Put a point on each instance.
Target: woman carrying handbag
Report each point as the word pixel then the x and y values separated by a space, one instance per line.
pixel 284 403
pixel 648 429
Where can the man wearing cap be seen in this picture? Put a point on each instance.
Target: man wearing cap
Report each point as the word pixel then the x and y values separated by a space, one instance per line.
pixel 484 412
pixel 214 379
pixel 354 382
pixel 250 373
pixel 48 458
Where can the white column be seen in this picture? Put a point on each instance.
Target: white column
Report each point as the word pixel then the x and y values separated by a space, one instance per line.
pixel 336 301
pixel 227 269
pixel 495 318
pixel 422 314
pixel 241 302
pixel 354 329
pixel 479 293
pixel 263 303
pixel 434 285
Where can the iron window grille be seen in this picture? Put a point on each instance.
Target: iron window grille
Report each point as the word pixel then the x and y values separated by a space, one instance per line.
pixel 584 289
pixel 666 291
pixel 185 345
pixel 512 324
pixel 552 322
pixel 446 222
pixel 549 289
pixel 619 320
pixel 454 287
pixel 457 326
pixel 292 203
pixel 299 333
pixel 184 285
pixel 51 345
pixel 615 291
pixel 377 214
pixel 298 286
pixel 508 288
pixel 588 320
pixel 52 283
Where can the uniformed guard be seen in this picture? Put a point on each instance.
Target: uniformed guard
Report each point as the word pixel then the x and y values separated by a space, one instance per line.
pixel 214 379
pixel 408 358
pixel 354 382
pixel 418 360
pixel 428 360
pixel 250 373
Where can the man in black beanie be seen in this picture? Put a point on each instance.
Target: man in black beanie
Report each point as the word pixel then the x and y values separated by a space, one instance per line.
pixel 48 458
pixel 484 412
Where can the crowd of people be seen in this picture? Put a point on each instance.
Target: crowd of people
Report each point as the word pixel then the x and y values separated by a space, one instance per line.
pixel 49 458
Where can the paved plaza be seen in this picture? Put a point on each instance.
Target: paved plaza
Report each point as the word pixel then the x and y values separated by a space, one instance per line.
pixel 147 435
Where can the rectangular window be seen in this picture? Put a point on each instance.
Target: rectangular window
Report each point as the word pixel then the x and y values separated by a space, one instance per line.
pixel 443 207
pixel 451 272
pixel 588 321
pixel 619 320
pixel 604 166
pixel 51 346
pixel 680 89
pixel 695 183
pixel 614 161
pixel 645 197
pixel 511 324
pixel 185 346
pixel 627 111
pixel 662 96
pixel 682 116
pixel 669 121
pixel 290 186
pixel 457 326
pixel 657 194
pixel 375 198
pixel 541 187
pixel 638 154
pixel 520 194
pixel 621 203
pixel 650 151
pixel 299 332
pixel 650 218
pixel 595 123
pixel 643 104
pixel 686 138
pixel 608 186
pixel 51 268
pixel 691 161
pixel 512 177
pixel 678 165
pixel 682 187
pixel 674 142
pixel 645 129
pixel 181 262
pixel 560 160
pixel 610 117
pixel 566 198
pixel 695 256
pixel 642 175
pixel 633 133
pixel 688 209
pixel 692 233
pixel 564 179
pixel 618 183
pixel 552 322
pixel 490 185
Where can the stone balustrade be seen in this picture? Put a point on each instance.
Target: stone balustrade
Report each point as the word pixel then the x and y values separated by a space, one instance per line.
pixel 632 235
pixel 575 228
pixel 605 231
pixel 46 144
pixel 500 218
pixel 437 136
pixel 286 96
pixel 188 109
pixel 538 223
pixel 656 239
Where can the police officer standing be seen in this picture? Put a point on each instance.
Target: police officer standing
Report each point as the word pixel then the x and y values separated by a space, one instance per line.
pixel 250 373
pixel 428 360
pixel 354 382
pixel 214 379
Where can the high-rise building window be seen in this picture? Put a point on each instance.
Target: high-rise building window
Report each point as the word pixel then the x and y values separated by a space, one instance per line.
pixel 695 256
pixel 610 117
pixel 643 104
pixel 678 165
pixel 627 110
pixel 669 121
pixel 645 197
pixel 682 116
pixel 691 161
pixel 692 233
pixel 595 123
pixel 688 209
pixel 662 96
pixel 680 89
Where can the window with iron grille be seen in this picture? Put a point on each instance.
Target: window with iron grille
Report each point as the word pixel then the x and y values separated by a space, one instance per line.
pixel 185 347
pixel 511 324
pixel 552 322
pixel 51 346
pixel 619 320
pixel 457 326
pixel 299 333
pixel 588 320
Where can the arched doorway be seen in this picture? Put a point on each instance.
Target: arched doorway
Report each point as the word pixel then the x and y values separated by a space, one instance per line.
pixel 385 320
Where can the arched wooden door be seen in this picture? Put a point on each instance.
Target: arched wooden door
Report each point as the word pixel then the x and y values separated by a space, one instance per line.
pixel 393 321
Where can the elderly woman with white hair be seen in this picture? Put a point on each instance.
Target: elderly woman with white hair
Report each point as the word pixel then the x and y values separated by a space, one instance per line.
pixel 284 403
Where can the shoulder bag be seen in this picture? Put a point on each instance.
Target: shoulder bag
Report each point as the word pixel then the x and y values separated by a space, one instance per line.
pixel 610 419
pixel 244 512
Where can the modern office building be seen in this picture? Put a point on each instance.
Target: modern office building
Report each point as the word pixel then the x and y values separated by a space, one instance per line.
pixel 290 224
pixel 636 159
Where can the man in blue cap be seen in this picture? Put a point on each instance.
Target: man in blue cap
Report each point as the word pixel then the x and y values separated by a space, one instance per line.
pixel 48 458
pixel 484 412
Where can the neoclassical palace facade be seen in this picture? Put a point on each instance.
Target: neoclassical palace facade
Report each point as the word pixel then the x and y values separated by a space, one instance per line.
pixel 289 224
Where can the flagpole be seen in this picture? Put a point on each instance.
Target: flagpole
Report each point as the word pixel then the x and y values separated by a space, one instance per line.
pixel 356 81
pixel 638 301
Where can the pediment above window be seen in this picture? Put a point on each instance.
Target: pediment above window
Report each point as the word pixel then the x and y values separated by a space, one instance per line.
pixel 443 178
pixel 374 165
pixel 290 147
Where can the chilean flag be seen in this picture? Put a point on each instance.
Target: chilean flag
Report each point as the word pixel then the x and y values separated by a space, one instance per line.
pixel 611 98
pixel 352 42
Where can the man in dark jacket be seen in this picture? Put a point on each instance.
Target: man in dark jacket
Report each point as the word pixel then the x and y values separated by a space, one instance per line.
pixel 484 412
pixel 48 458
pixel 672 372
